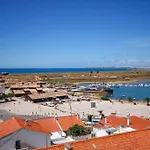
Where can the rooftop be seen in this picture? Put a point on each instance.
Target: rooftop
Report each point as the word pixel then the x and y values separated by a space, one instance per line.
pixel 135 140
pixel 49 124
pixel 53 124
pixel 18 92
pixel 13 124
pixel 25 85
pixel 137 123
pixel 49 94
pixel 114 121
pixel 68 121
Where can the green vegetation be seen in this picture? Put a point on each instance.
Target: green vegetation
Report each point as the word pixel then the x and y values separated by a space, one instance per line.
pixel 76 130
pixel 130 99
pixel 147 100
pixel 90 118
pixel 105 98
pixel 3 96
pixel 100 111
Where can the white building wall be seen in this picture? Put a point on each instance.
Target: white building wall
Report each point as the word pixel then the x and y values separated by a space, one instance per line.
pixel 34 139
pixel 99 132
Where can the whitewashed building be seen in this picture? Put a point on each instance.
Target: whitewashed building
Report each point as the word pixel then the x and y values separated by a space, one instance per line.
pixel 16 133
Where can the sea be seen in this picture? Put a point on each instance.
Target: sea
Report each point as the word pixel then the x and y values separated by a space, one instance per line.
pixel 138 93
pixel 60 70
pixel 135 92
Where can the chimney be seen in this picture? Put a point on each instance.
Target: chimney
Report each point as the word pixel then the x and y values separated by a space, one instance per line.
pixel 105 119
pixel 18 145
pixel 26 122
pixel 68 147
pixel 128 121
pixel 78 116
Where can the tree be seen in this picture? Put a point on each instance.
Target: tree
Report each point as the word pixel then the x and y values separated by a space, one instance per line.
pixel 91 73
pixel 101 114
pixel 147 100
pixel 104 98
pixel 90 118
pixel 130 99
pixel 100 111
pixel 76 130
pixel 10 95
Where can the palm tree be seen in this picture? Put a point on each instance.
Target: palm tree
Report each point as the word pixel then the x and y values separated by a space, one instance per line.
pixel 101 114
pixel 100 111
pixel 147 101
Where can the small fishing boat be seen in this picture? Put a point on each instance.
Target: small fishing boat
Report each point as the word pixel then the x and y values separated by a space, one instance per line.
pixel 4 73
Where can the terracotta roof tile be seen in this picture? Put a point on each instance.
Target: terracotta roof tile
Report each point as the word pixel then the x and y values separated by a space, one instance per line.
pixel 68 121
pixel 49 124
pixel 135 140
pixel 135 122
pixel 13 124
pixel 114 121
pixel 65 122
pixel 139 123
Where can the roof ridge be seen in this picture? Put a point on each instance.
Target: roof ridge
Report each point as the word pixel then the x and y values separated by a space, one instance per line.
pixel 59 125
pixel 114 135
pixel 117 116
pixel 67 116
pixel 41 118
pixel 90 140
pixel 16 120
pixel 124 133
pixel 140 117
pixel 54 116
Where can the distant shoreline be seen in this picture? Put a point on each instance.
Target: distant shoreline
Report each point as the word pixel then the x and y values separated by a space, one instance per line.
pixel 62 70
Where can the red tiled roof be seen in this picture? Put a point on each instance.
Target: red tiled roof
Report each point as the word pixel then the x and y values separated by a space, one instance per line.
pixel 49 124
pixel 13 124
pixel 135 140
pixel 137 123
pixel 65 122
pixel 114 121
pixel 68 121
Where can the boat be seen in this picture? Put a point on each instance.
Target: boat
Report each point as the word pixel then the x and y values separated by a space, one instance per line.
pixel 109 90
pixel 4 73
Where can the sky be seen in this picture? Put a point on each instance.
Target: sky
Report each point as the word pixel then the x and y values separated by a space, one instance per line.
pixel 74 33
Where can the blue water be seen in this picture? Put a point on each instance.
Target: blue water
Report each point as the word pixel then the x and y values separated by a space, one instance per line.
pixel 139 93
pixel 59 70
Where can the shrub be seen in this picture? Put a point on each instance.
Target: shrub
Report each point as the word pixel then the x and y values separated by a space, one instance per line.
pixel 147 100
pixel 3 96
pixel 90 118
pixel 130 99
pixel 105 98
pixel 76 130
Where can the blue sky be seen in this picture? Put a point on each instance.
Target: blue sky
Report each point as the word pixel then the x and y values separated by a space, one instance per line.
pixel 74 33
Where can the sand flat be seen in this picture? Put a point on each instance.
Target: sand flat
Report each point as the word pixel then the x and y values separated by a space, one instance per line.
pixel 22 107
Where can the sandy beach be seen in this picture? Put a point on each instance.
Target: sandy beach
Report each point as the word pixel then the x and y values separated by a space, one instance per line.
pixel 21 107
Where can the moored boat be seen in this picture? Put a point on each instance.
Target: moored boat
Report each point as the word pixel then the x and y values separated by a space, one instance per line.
pixel 4 73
